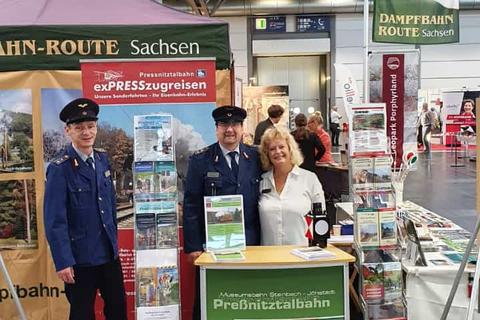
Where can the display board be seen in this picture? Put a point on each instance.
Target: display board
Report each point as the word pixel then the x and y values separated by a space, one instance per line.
pixel 162 114
pixel 367 131
pixel 261 293
pixel 459 114
pixel 394 80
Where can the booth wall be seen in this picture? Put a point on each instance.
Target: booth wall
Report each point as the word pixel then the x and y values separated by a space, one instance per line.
pixel 449 66
pixel 239 46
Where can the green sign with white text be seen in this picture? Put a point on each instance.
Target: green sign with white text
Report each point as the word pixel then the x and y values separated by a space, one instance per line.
pixel 414 22
pixel 314 293
pixel 61 47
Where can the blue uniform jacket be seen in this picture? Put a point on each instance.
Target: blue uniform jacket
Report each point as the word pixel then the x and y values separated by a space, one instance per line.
pixel 80 211
pixel 209 174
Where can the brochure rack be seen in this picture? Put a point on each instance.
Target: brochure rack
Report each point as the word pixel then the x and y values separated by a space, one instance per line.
pixel 156 236
pixel 378 263
pixel 376 243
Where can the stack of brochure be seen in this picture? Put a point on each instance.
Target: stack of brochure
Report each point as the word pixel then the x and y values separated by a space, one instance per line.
pixel 312 253
pixel 227 256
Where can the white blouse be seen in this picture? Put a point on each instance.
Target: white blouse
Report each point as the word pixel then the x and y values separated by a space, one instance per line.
pixel 282 215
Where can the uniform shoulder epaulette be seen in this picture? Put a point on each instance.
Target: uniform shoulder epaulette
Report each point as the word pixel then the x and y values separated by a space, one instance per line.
pixel 252 148
pixel 61 159
pixel 99 149
pixel 201 151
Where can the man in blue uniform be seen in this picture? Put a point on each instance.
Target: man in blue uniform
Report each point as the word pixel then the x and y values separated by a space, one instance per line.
pixel 80 218
pixel 223 168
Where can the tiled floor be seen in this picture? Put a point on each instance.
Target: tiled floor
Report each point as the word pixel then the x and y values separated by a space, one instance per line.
pixel 443 189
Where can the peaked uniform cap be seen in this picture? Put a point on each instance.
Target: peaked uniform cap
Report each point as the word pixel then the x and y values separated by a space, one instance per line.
pixel 79 110
pixel 229 114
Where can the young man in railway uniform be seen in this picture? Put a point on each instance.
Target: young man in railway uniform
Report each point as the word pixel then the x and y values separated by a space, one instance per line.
pixel 80 218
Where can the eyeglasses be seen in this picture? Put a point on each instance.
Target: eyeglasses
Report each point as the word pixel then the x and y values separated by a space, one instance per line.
pixel 226 125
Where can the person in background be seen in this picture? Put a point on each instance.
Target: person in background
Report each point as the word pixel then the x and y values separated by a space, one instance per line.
pixel 335 125
pixel 468 108
pixel 286 190
pixel 311 147
pixel 80 218
pixel 427 119
pixel 315 125
pixel 275 113
pixel 226 167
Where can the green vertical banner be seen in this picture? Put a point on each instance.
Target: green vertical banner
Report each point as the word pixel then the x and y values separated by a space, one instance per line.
pixel 416 21
pixel 314 293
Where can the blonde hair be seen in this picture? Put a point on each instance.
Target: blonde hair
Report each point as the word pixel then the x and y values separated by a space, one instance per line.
pixel 282 134
pixel 317 117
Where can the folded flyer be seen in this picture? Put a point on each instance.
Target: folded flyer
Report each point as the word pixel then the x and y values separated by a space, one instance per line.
pixel 312 253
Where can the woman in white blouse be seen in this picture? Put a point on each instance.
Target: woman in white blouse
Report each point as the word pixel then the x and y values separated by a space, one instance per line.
pixel 286 191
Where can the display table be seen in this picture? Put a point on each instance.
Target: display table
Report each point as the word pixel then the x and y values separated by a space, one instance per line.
pixel 272 283
pixel 427 290
pixel 427 287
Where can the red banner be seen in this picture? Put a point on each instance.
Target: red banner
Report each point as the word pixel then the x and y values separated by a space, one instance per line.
pixel 466 120
pixel 155 81
pixel 393 95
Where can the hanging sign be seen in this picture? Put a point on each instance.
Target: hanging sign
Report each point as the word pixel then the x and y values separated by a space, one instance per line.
pixel 313 23
pixel 271 24
pixel 416 21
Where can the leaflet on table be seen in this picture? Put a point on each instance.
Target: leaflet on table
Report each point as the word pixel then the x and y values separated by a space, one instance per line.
pixel 157 284
pixel 227 256
pixel 153 138
pixel 367 128
pixel 312 253
pixel 419 214
pixel 225 229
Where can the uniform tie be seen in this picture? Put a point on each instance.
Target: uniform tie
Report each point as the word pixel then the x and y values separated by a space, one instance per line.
pixel 233 163
pixel 89 162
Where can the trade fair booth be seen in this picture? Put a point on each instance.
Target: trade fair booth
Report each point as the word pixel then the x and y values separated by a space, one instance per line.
pixel 41 44
pixel 158 74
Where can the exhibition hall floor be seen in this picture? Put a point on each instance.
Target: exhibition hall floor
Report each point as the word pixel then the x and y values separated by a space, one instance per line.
pixel 443 189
